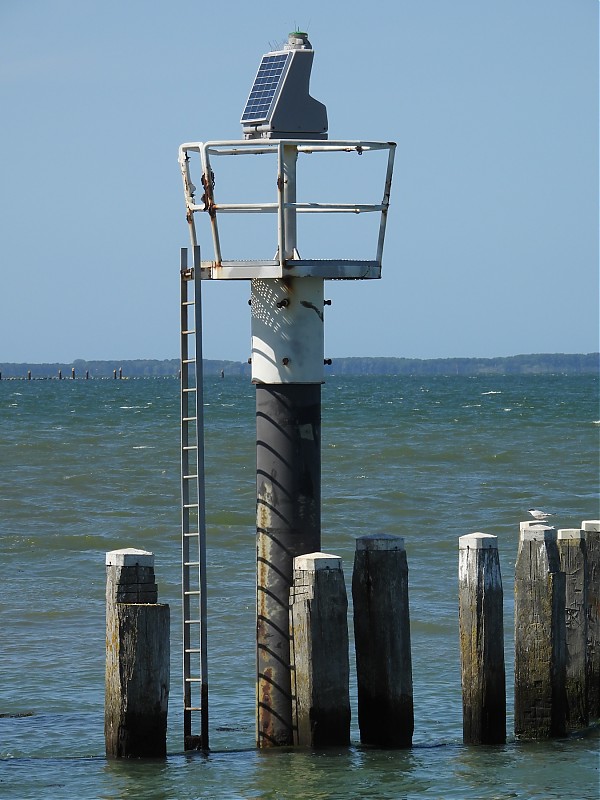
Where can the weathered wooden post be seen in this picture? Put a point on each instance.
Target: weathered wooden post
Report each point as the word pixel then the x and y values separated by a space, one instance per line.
pixel 481 625
pixel 319 647
pixel 573 562
pixel 382 641
pixel 591 528
pixel 137 658
pixel 540 657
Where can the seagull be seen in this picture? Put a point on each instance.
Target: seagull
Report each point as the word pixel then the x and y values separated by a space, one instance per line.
pixel 537 514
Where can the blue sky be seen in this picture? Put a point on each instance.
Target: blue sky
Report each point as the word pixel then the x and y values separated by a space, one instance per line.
pixel 492 244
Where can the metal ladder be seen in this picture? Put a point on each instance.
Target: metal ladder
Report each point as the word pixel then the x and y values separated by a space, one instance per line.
pixel 193 525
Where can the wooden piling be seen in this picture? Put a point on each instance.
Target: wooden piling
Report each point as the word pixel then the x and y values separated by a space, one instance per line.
pixel 573 562
pixel 481 640
pixel 382 641
pixel 591 528
pixel 540 655
pixel 137 658
pixel 319 648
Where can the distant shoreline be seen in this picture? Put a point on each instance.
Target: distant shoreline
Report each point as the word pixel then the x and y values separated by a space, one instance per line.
pixel 533 364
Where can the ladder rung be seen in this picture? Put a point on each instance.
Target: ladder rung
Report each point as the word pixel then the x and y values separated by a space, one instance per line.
pixel 192 621
pixel 193 591
pixel 193 708
pixel 191 389
pixel 189 360
pixel 188 477
pixel 191 563
pixel 193 680
pixel 190 447
pixel 189 303
pixel 191 505
pixel 189 419
pixel 187 333
pixel 192 650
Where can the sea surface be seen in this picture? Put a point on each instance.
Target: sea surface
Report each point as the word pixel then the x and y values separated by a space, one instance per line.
pixel 92 466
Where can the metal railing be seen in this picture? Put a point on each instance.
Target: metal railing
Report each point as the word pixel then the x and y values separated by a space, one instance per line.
pixel 218 268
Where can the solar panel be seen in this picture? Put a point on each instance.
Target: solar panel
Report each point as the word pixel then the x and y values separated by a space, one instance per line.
pixel 264 90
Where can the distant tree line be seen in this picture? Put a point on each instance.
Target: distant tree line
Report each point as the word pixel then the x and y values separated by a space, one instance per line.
pixel 535 364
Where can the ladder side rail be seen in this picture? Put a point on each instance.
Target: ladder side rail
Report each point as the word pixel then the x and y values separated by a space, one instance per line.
pixel 185 497
pixel 201 495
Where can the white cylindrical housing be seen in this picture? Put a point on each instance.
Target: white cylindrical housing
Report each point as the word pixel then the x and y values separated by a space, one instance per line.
pixel 287 330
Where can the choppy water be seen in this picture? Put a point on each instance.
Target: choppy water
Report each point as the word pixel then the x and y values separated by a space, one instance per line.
pixel 87 467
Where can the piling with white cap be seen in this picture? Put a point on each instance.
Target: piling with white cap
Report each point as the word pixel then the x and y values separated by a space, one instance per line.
pixel 481 629
pixel 320 662
pixel 137 658
pixel 382 641
pixel 591 528
pixel 540 654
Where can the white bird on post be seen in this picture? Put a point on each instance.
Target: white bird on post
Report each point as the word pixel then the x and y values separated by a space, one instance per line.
pixel 539 515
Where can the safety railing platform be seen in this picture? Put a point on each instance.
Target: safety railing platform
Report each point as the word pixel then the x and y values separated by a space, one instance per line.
pixel 219 268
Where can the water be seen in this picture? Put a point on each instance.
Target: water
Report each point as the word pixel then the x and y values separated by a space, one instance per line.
pixel 92 466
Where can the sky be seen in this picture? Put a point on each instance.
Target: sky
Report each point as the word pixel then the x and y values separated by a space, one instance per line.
pixel 492 238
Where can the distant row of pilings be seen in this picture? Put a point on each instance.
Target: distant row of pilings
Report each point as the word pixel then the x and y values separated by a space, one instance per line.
pixel 556 640
pixel 59 375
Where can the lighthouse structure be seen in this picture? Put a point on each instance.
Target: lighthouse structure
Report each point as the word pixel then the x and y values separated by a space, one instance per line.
pixel 283 121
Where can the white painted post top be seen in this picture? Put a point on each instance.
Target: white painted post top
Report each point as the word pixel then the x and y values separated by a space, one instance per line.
pixel 312 562
pixel 478 541
pixel 570 533
pixel 538 533
pixel 380 541
pixel 590 525
pixel 529 523
pixel 129 557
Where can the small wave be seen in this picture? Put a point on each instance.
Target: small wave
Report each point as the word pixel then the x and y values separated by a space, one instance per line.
pixel 484 393
pixel 128 408
pixel 596 422
pixel 143 447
